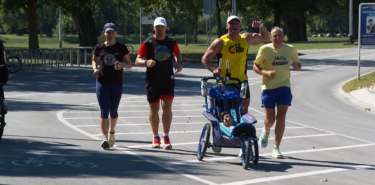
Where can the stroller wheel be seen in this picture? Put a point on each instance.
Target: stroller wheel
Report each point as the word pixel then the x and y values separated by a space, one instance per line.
pixel 254 153
pixel 204 141
pixel 246 148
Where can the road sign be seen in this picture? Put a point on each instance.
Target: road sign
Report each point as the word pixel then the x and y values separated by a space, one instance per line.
pixel 209 6
pixel 366 25
pixel 366 30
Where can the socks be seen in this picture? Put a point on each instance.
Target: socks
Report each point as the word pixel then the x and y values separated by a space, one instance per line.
pixel 112 132
pixel 156 135
pixel 276 146
pixel 165 134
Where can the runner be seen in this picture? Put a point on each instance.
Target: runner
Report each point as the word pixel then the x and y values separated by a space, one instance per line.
pixel 110 55
pixel 4 74
pixel 158 53
pixel 275 59
pixel 234 46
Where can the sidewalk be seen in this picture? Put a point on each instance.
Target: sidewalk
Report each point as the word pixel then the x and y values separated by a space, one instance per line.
pixel 364 98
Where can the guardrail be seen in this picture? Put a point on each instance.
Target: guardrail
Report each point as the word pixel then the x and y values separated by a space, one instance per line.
pixel 56 57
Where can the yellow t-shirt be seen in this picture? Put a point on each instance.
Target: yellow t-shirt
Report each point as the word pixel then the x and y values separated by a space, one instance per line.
pixel 270 58
pixel 235 51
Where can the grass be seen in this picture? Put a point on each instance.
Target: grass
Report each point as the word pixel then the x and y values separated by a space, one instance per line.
pixel 190 52
pixel 365 81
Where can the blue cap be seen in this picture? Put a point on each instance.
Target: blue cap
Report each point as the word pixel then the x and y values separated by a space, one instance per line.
pixel 109 26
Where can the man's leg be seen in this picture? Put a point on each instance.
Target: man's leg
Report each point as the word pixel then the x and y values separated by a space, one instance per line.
pixel 245 104
pixel 268 99
pixel 167 121
pixel 154 121
pixel 283 102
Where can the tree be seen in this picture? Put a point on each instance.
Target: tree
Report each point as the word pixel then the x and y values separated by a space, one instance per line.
pixel 30 7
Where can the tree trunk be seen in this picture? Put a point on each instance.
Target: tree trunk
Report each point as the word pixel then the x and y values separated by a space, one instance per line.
pixel 277 14
pixel 292 25
pixel 41 30
pixel 48 29
pixel 195 39
pixel 302 27
pixel 84 23
pixel 186 33
pixel 33 24
pixel 218 18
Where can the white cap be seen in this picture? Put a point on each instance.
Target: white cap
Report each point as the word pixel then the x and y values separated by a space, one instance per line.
pixel 232 17
pixel 160 21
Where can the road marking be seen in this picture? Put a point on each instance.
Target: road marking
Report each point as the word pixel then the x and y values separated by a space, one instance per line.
pixel 296 175
pixel 195 143
pixel 141 133
pixel 167 167
pixel 320 129
pixel 138 117
pixel 80 112
pixel 269 154
pixel 145 124
pixel 174 100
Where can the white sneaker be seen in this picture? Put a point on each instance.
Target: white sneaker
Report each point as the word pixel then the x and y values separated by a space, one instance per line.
pixel 277 154
pixel 112 140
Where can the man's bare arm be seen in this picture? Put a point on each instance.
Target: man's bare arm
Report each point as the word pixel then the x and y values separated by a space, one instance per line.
pixel 140 61
pixel 94 62
pixel 257 38
pixel 258 70
pixel 178 57
pixel 211 51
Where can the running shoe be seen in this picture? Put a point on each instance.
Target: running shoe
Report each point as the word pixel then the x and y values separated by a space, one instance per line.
pixel 156 142
pixel 264 138
pixel 277 154
pixel 166 142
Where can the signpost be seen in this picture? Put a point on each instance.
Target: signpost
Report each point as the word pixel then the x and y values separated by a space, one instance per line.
pixel 209 7
pixel 366 29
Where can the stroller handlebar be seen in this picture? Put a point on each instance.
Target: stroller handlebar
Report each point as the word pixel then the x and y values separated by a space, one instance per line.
pixel 223 79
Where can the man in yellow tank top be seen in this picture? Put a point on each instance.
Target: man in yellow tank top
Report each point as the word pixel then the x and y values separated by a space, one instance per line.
pixel 234 46
pixel 273 63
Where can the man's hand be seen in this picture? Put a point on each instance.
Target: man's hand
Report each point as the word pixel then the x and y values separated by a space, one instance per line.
pixel 151 63
pixel 96 73
pixel 217 71
pixel 271 74
pixel 178 67
pixel 256 24
pixel 118 65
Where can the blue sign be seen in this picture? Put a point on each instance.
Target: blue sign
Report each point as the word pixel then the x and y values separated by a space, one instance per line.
pixel 209 6
pixel 367 25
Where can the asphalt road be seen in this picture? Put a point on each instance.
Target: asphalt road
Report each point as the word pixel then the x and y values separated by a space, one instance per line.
pixel 53 134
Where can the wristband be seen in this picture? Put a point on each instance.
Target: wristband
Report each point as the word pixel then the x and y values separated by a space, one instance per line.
pixel 146 61
pixel 261 25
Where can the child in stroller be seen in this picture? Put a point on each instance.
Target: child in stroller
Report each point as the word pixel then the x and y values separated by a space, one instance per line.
pixel 227 98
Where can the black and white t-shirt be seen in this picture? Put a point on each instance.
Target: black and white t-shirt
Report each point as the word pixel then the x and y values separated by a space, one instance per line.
pixel 107 57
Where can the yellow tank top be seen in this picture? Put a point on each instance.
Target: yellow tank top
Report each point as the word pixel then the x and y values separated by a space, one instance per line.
pixel 236 52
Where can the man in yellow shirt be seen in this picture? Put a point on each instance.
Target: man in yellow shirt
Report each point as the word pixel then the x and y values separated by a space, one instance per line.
pixel 234 46
pixel 272 62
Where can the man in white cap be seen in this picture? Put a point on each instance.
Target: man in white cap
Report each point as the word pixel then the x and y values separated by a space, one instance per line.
pixel 158 54
pixel 234 46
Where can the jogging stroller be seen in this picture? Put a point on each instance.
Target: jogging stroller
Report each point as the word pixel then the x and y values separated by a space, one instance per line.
pixel 227 97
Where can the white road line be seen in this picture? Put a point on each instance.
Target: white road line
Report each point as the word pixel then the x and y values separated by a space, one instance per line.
pixel 138 117
pixel 80 112
pixel 304 174
pixel 141 133
pixel 320 129
pixel 20 95
pixel 60 118
pixel 173 105
pixel 195 143
pixel 269 154
pixel 174 101
pixel 146 124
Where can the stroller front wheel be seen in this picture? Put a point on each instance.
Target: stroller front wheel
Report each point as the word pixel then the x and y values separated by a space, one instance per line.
pixel 204 141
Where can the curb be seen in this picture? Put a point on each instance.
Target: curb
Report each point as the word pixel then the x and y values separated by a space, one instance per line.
pixel 372 89
pixel 352 99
